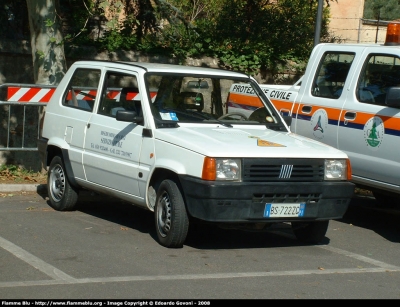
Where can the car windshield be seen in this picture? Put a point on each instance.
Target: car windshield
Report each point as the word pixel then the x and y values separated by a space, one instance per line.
pixel 209 99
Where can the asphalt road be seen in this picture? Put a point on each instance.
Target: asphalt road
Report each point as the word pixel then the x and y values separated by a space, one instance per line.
pixel 108 250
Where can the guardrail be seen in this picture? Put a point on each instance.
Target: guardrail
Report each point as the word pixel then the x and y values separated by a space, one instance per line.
pixel 20 125
pixel 21 109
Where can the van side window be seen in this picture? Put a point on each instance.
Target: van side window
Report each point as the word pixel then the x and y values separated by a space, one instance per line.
pixel 120 92
pixel 82 90
pixel 331 74
pixel 378 74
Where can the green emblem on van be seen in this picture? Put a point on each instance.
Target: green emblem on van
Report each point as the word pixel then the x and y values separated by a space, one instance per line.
pixel 374 131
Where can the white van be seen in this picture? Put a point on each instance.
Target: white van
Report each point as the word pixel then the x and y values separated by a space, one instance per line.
pixel 159 137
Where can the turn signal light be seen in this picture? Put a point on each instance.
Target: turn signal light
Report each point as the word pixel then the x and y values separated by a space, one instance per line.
pixel 209 169
pixel 349 171
pixel 393 34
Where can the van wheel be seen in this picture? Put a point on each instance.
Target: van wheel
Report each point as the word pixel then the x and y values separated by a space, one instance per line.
pixel 63 196
pixel 172 222
pixel 310 232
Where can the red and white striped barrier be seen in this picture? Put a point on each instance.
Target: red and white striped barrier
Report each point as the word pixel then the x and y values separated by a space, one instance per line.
pixel 29 94
pixel 43 94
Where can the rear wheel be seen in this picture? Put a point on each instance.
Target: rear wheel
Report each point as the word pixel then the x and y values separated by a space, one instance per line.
pixel 63 196
pixel 310 232
pixel 172 222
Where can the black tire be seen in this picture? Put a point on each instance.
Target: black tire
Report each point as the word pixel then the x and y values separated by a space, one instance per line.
pixel 62 196
pixel 172 221
pixel 310 232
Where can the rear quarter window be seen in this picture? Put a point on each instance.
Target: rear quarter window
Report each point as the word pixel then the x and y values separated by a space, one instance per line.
pixel 379 73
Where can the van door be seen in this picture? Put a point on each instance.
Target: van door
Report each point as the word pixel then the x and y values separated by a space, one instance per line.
pixel 78 101
pixel 369 130
pixel 112 148
pixel 322 101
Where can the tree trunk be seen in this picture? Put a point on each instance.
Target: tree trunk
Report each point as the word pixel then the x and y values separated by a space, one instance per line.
pixel 49 65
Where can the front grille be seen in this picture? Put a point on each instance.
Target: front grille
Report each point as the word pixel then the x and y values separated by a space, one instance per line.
pixel 286 198
pixel 283 170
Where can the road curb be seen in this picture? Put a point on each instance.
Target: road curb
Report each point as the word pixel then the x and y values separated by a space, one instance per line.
pixel 23 187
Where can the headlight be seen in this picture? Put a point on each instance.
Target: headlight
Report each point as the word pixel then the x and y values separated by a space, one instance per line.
pixel 221 169
pixel 337 169
pixel 228 169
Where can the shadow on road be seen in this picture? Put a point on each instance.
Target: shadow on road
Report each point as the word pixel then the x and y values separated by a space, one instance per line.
pixel 365 212
pixel 201 236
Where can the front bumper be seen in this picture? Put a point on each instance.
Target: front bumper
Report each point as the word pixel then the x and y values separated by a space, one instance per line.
pixel 244 202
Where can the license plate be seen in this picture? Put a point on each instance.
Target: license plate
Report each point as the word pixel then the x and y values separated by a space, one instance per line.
pixel 284 210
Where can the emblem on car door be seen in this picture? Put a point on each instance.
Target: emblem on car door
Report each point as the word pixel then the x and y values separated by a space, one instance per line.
pixel 319 123
pixel 374 130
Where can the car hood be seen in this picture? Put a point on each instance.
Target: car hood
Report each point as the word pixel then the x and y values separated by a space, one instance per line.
pixel 245 141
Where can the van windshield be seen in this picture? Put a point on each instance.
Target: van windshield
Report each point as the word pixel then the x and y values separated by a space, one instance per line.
pixel 210 99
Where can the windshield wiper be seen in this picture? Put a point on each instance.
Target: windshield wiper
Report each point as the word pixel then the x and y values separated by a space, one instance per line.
pixel 216 120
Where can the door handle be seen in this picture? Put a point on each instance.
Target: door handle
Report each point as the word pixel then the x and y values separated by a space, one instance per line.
pixel 349 116
pixel 306 109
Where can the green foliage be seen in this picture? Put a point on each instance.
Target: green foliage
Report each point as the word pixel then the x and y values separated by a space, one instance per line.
pixel 251 35
pixel 115 40
pixel 78 17
pixel 49 23
pixel 40 54
pixel 12 170
pixel 382 9
pixel 17 174
pixel 244 59
pixel 245 35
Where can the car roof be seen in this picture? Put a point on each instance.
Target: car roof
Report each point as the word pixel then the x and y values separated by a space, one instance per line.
pixel 164 68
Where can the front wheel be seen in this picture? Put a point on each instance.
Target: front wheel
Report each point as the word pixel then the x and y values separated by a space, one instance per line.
pixel 310 232
pixel 62 196
pixel 172 222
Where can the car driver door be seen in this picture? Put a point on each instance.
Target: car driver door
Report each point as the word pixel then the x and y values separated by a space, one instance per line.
pixel 112 147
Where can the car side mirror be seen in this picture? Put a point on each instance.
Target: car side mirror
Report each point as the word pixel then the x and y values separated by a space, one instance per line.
pixel 393 97
pixel 287 119
pixel 129 116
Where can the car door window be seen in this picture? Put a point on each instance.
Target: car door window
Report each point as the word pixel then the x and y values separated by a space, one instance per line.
pixel 331 74
pixel 82 90
pixel 379 73
pixel 120 92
